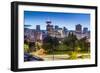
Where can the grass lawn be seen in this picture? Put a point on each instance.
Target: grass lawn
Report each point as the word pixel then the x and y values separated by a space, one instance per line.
pixel 66 52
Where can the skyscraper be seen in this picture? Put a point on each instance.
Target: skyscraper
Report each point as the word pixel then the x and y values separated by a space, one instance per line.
pixel 37 35
pixel 64 28
pixel 56 27
pixel 85 30
pixel 38 27
pixel 78 28
pixel 49 27
pixel 48 22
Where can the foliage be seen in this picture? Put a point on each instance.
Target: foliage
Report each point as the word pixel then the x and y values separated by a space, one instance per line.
pixel 62 47
pixel 38 45
pixel 73 55
pixel 26 48
pixel 71 41
pixel 50 43
pixel 84 45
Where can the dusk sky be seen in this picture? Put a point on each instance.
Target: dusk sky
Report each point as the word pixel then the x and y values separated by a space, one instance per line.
pixel 68 20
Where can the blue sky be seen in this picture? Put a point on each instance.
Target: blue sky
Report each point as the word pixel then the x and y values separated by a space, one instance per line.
pixel 68 20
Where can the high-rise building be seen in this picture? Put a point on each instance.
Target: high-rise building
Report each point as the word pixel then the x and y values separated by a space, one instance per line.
pixel 60 30
pixel 56 27
pixel 48 22
pixel 29 34
pixel 64 29
pixel 37 36
pixel 38 27
pixel 85 30
pixel 49 27
pixel 78 28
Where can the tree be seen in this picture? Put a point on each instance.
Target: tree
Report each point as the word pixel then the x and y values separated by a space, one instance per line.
pixel 55 42
pixel 37 45
pixel 71 41
pixel 26 46
pixel 47 43
pixel 84 45
pixel 50 43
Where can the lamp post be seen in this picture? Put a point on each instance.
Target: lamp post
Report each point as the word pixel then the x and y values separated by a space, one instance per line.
pixel 53 47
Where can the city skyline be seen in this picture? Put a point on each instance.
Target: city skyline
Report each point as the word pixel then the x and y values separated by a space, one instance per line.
pixel 68 20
